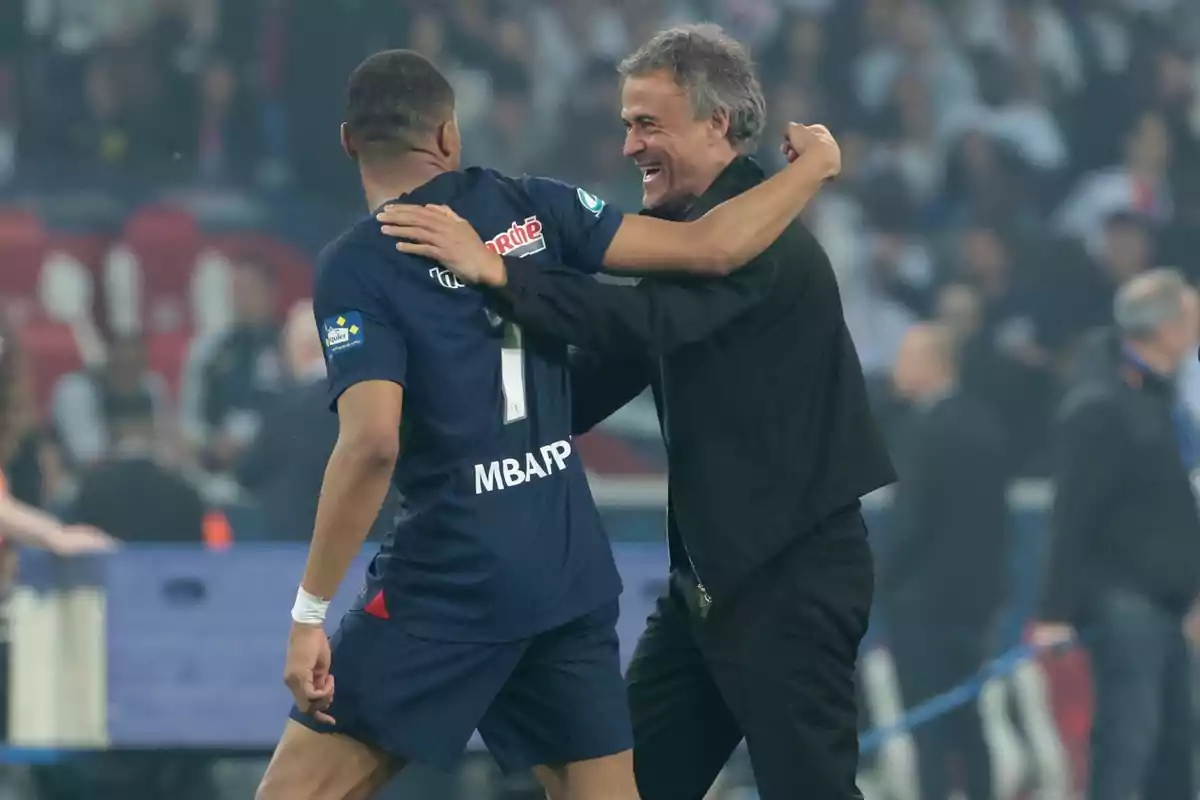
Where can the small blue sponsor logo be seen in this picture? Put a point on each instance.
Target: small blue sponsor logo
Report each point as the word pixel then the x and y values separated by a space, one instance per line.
pixel 341 333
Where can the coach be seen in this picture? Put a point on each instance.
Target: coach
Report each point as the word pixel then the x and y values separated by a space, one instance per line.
pixel 770 445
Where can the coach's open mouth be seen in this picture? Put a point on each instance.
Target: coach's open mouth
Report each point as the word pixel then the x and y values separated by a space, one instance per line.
pixel 649 172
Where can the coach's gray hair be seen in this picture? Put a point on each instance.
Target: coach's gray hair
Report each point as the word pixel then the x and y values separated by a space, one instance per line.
pixel 1147 302
pixel 714 69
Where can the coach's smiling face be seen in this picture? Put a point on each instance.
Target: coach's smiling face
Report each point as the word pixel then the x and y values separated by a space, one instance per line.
pixel 678 154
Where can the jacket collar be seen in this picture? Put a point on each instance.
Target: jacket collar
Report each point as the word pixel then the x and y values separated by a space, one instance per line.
pixel 1139 375
pixel 741 174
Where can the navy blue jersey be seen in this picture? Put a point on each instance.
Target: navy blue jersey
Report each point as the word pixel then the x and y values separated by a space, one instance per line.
pixel 499 538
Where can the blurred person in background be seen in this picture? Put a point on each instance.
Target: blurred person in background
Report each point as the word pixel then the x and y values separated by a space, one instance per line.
pixel 33 465
pixel 129 492
pixel 284 465
pixel 959 308
pixel 941 563
pixel 1008 363
pixel 80 398
pixel 1125 559
pixel 1140 185
pixel 230 378
pixel 21 523
pixel 224 134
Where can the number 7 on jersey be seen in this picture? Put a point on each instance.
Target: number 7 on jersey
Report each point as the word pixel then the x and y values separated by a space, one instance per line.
pixel 512 375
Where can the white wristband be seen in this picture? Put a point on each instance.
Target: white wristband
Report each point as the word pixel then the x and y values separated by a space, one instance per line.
pixel 309 609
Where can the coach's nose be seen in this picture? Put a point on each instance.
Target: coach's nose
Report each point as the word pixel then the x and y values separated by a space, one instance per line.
pixel 634 144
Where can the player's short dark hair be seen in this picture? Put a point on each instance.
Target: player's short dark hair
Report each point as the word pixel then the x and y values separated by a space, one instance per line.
pixel 395 99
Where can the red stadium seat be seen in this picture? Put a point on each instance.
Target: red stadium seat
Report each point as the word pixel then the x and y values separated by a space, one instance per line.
pixel 50 351
pixel 166 354
pixel 293 269
pixel 23 243
pixel 163 243
pixel 87 249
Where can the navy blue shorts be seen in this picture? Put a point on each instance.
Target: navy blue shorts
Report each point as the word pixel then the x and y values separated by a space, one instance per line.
pixel 553 699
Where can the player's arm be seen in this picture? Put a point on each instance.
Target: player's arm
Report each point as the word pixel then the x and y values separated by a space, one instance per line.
pixel 356 481
pixel 366 359
pixel 657 316
pixel 736 231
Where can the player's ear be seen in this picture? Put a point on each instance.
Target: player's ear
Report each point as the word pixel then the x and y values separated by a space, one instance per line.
pixel 347 147
pixel 450 140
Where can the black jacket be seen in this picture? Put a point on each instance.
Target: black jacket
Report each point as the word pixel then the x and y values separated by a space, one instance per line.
pixel 759 390
pixel 1124 511
pixel 943 556
pixel 137 500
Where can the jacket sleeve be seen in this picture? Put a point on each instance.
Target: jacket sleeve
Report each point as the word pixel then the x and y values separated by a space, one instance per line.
pixel 601 386
pixel 656 316
pixel 1087 473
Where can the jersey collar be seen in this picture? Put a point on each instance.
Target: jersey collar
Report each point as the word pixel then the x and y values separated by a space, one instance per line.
pixel 439 190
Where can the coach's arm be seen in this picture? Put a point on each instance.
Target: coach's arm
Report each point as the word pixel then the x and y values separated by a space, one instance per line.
pixel 655 317
pixel 726 238
pixel 601 386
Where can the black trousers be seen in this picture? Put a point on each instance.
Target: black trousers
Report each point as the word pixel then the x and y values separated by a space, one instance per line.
pixel 775 664
pixel 930 658
pixel 1142 726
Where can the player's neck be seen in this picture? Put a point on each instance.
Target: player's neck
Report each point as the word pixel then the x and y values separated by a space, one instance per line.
pixel 383 182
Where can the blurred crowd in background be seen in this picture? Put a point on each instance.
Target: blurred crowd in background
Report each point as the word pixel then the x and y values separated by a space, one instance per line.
pixel 1008 164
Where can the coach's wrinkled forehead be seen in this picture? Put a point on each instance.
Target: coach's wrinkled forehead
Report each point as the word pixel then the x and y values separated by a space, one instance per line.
pixel 396 99
pixel 714 69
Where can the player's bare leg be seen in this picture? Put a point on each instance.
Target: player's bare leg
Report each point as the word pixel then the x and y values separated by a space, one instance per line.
pixel 605 778
pixel 324 766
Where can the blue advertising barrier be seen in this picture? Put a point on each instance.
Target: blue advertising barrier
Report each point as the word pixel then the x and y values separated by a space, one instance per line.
pixel 195 638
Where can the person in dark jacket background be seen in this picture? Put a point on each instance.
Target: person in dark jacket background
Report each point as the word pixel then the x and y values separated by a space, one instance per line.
pixel 1125 559
pixel 232 376
pixel 130 492
pixel 941 564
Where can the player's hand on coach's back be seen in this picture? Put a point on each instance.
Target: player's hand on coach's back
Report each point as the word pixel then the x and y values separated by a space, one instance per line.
pixel 306 670
pixel 437 233
pixel 813 142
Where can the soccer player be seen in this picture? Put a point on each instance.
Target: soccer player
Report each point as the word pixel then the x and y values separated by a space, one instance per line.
pixel 493 605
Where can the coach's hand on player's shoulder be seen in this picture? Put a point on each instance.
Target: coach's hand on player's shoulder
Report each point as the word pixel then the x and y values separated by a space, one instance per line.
pixel 74 540
pixel 815 143
pixel 306 671
pixel 436 232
